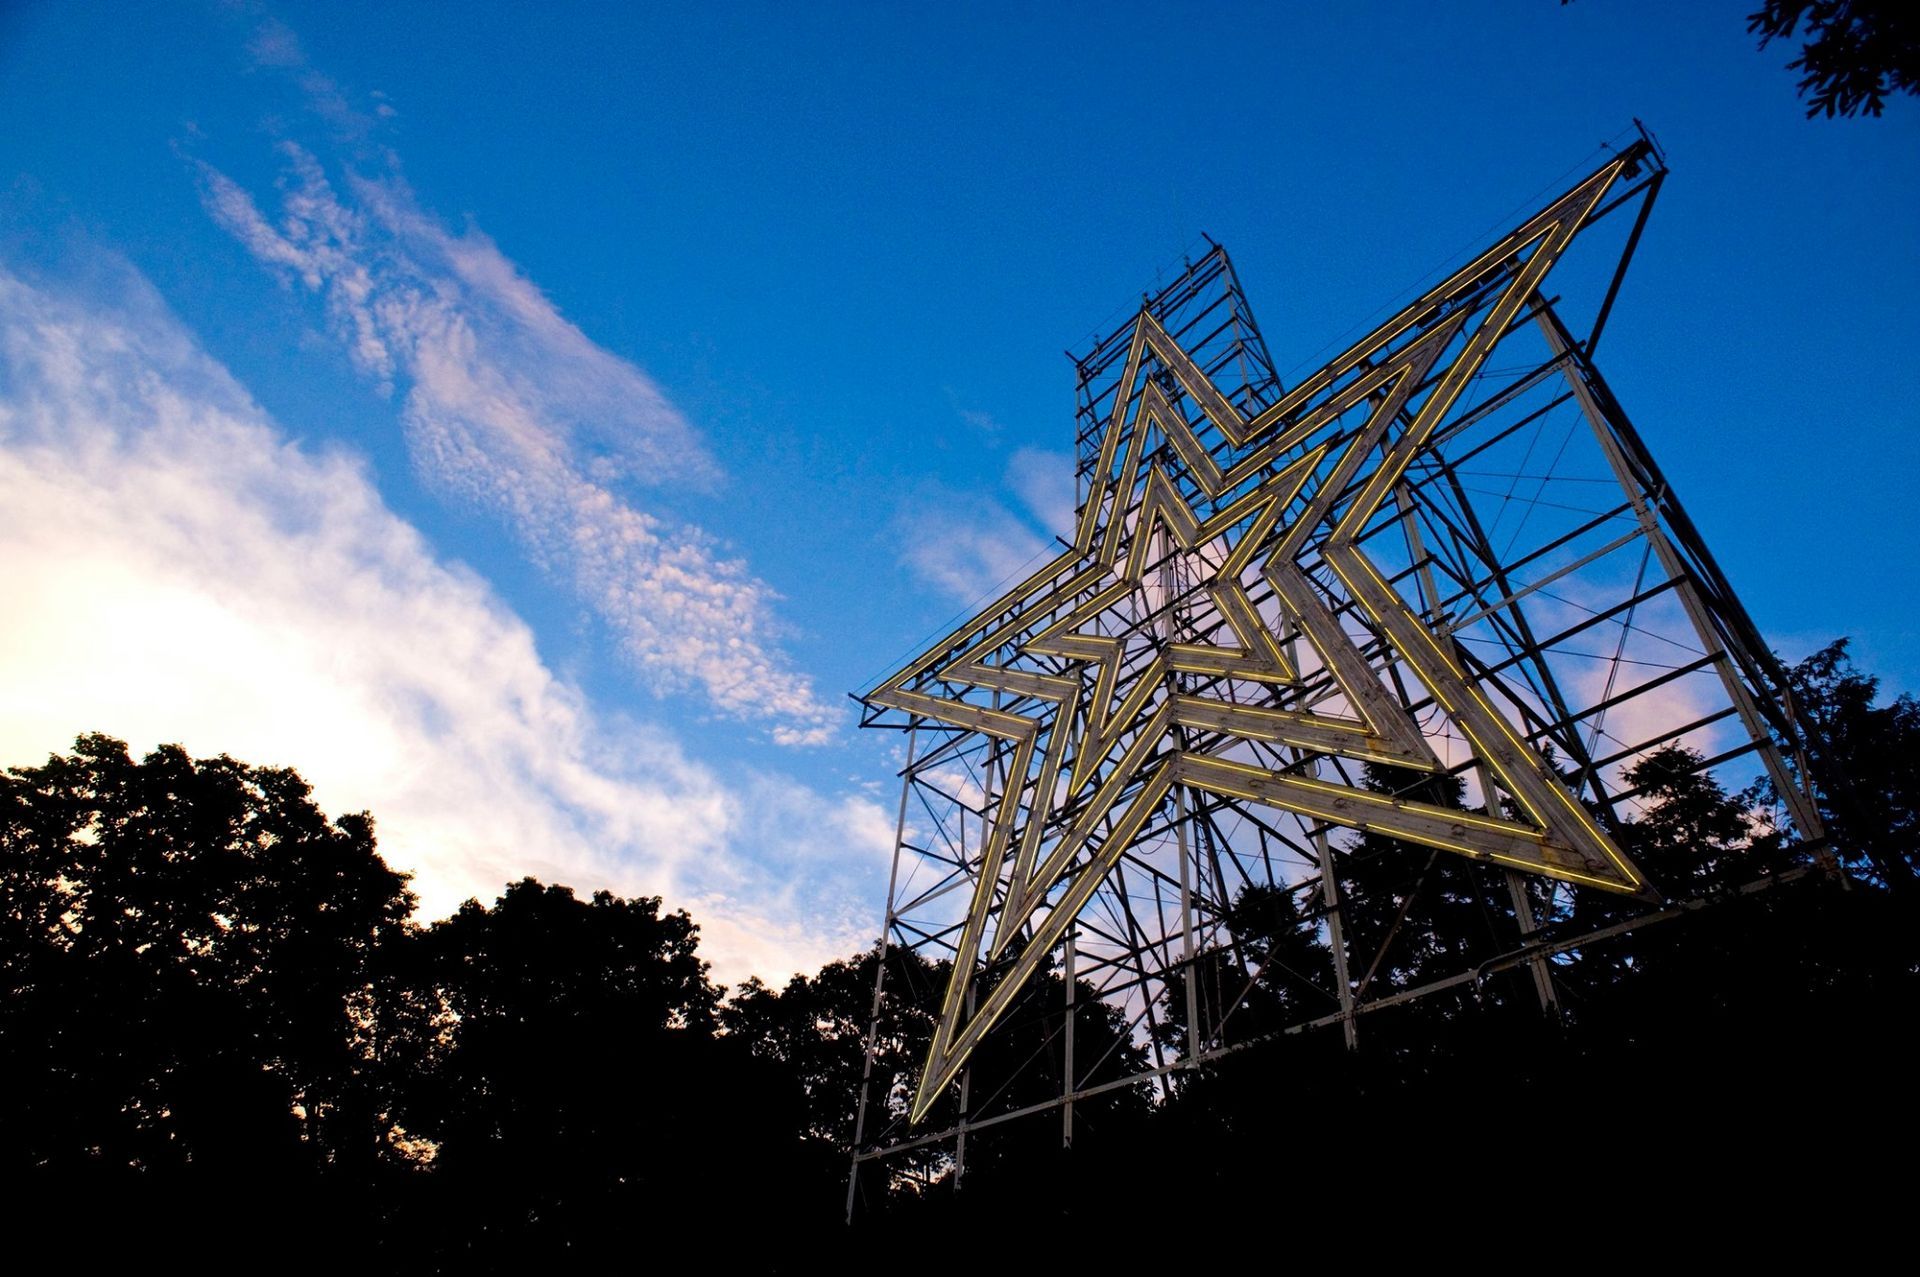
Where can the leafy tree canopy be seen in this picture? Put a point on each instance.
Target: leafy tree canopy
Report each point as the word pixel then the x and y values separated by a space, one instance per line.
pixel 187 953
pixel 216 1017
pixel 1855 52
pixel 1865 761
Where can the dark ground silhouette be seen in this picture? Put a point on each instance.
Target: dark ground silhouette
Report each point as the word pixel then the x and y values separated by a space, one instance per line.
pixel 222 1040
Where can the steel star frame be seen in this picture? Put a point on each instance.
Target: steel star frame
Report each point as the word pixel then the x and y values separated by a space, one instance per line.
pixel 1446 553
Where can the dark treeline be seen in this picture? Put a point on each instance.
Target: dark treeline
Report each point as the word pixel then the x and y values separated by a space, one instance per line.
pixel 222 1037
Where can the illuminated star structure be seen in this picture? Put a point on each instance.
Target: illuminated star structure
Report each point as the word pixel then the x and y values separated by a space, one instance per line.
pixel 1158 661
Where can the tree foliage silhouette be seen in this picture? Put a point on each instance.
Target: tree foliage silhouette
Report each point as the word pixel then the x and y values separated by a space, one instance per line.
pixel 816 1028
pixel 215 1016
pixel 582 1082
pixel 1273 971
pixel 1855 53
pixel 188 949
pixel 1865 761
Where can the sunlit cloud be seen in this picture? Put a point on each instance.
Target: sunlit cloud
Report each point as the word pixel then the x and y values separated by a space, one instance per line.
pixel 966 548
pixel 1043 480
pixel 177 571
pixel 967 545
pixel 509 406
pixel 982 421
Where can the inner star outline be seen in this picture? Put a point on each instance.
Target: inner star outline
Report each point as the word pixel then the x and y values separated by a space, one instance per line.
pixel 1055 613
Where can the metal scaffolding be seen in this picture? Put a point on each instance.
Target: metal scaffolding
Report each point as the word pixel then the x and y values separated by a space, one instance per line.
pixel 1287 612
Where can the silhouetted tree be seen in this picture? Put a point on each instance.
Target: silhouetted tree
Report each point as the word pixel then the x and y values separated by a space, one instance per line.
pixel 1018 1169
pixel 1866 765
pixel 186 975
pixel 815 1030
pixel 584 1105
pixel 1023 1062
pixel 1693 835
pixel 816 1027
pixel 1856 51
pixel 1273 969
pixel 1414 915
pixel 217 1028
pixel 1692 839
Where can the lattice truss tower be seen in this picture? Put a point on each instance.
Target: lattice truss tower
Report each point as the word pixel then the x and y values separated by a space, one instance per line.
pixel 1447 551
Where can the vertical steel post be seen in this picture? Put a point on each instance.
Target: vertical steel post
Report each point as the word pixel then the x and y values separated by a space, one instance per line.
pixel 1330 906
pixel 966 1100
pixel 1169 591
pixel 1068 1079
pixel 1336 937
pixel 989 778
pixel 880 970
pixel 1186 924
pixel 1523 914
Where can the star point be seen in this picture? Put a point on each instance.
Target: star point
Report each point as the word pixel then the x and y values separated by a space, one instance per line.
pixel 1108 707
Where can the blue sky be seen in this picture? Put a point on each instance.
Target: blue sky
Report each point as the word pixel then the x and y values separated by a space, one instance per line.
pixel 531 421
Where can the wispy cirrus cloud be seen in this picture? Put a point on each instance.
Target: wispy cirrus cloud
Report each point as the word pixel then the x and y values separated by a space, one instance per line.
pixel 1043 480
pixel 965 547
pixel 176 570
pixel 984 422
pixel 274 46
pixel 508 405
pixel 968 544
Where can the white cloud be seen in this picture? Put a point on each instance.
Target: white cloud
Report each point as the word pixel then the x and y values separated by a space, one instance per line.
pixel 982 421
pixel 274 44
pixel 274 47
pixel 1043 481
pixel 510 406
pixel 816 849
pixel 176 570
pixel 969 545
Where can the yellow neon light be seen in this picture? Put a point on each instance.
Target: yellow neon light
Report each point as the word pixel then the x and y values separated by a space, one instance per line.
pixel 1050 613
